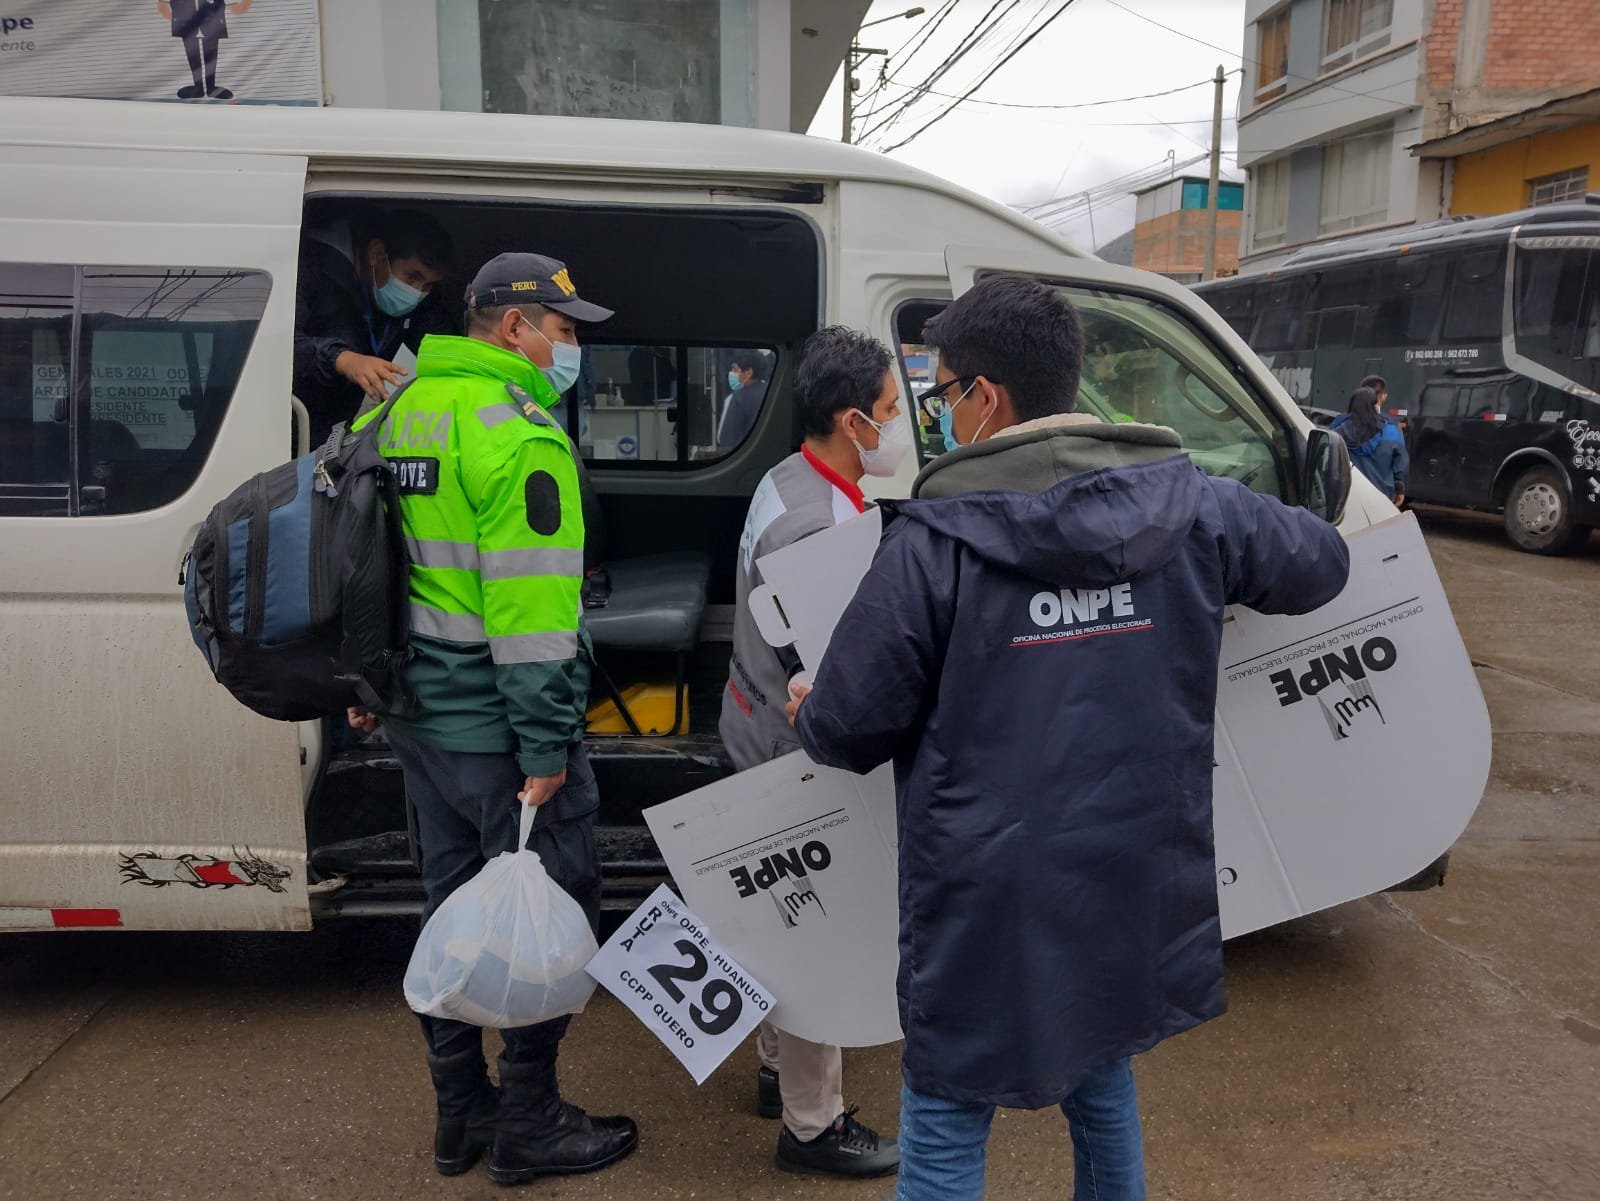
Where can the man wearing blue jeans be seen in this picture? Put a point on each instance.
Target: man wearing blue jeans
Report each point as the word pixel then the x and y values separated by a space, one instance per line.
pixel 1035 647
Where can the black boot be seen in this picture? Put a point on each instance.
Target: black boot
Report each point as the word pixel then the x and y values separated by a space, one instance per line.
pixel 468 1107
pixel 539 1134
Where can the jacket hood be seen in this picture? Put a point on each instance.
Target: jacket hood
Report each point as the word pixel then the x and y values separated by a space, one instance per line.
pixel 450 355
pixel 1065 500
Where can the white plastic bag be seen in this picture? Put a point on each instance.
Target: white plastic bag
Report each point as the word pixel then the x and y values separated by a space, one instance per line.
pixel 507 948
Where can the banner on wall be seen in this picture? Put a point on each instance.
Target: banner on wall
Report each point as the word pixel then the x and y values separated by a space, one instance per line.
pixel 197 51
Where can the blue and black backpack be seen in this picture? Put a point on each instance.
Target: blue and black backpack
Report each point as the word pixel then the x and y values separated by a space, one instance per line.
pixel 296 586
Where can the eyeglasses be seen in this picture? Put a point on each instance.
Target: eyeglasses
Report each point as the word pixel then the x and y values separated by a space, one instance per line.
pixel 934 401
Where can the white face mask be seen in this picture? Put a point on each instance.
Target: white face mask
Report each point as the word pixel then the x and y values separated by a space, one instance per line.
pixel 894 444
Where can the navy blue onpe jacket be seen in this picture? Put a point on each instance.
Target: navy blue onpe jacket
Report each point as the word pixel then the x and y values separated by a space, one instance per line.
pixel 1036 649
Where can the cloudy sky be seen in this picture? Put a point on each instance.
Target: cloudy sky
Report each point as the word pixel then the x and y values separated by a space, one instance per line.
pixel 1094 51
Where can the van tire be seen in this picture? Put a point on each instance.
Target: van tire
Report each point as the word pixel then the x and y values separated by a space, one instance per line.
pixel 1539 514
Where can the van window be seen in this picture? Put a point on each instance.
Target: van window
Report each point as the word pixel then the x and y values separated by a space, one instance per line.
pixel 1146 362
pixel 693 289
pixel 660 403
pixel 35 361
pixel 115 381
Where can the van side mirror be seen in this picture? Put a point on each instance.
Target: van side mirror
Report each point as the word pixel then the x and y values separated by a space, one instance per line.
pixel 1325 481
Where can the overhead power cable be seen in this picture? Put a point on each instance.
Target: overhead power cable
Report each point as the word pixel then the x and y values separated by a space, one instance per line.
pixel 968 42
pixel 1010 54
pixel 1245 58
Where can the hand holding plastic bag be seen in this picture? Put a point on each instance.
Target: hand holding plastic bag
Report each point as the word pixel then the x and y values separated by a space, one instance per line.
pixel 507 948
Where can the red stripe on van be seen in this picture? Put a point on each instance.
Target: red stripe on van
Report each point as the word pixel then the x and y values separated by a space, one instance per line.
pixel 73 918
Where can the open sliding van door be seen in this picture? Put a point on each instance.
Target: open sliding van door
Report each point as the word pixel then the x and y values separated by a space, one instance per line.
pixel 1311 710
pixel 146 322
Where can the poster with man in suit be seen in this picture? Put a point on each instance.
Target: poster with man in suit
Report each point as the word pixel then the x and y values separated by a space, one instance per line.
pixel 202 24
pixel 194 51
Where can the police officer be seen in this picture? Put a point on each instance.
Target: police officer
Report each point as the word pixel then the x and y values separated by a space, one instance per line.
pixel 494 526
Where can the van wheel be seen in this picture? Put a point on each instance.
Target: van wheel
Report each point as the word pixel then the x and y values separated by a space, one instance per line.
pixel 1539 515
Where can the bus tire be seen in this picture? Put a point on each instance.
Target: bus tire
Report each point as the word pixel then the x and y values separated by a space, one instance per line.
pixel 1539 514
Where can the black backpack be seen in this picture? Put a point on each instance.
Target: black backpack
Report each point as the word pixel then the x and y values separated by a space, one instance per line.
pixel 296 586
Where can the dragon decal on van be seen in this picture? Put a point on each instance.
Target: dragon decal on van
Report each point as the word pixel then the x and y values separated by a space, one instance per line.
pixel 202 871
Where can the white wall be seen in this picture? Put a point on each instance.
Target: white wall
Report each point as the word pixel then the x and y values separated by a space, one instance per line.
pixel 380 55
pixel 1321 110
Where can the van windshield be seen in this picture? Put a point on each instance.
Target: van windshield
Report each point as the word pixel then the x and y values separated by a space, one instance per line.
pixel 1145 362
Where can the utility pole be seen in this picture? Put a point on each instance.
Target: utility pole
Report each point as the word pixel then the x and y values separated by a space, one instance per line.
pixel 853 58
pixel 1212 199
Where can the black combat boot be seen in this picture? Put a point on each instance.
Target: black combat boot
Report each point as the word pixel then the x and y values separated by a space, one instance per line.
pixel 539 1134
pixel 468 1107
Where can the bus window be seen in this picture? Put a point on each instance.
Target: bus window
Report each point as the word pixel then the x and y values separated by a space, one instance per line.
pixel 1336 329
pixel 1555 293
pixel 1282 318
pixel 1482 401
pixel 1235 304
pixel 1421 278
pixel 1476 297
pixel 1515 399
pixel 1438 400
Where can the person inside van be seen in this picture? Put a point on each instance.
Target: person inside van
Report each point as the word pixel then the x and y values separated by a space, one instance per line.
pixel 1035 648
pixel 368 288
pixel 848 405
pixel 747 391
pixel 1377 447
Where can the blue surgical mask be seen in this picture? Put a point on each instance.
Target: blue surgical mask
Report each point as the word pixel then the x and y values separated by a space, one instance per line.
pixel 733 381
pixel 396 297
pixel 947 421
pixel 563 372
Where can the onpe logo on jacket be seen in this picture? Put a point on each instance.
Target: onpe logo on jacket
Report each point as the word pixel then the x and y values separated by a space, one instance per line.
pixel 1069 614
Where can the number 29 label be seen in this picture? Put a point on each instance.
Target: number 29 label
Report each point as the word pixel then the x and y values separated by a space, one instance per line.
pixel 665 966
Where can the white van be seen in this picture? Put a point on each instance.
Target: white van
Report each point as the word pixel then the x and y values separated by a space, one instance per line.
pixel 147 299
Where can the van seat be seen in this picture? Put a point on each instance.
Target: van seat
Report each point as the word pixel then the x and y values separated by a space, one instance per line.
pixel 656 603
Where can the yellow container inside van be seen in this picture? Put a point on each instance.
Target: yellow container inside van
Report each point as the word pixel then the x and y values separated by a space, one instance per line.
pixel 650 705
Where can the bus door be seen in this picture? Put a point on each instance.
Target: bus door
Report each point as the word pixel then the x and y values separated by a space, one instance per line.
pixel 146 320
pixel 1495 423
pixel 1435 444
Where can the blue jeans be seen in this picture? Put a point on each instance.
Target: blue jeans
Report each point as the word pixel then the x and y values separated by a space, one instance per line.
pixel 942 1142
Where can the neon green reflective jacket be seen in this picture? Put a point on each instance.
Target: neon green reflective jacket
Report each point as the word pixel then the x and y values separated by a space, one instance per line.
pixel 494 529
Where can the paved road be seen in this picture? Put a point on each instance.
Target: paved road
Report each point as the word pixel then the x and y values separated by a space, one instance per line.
pixel 1443 1045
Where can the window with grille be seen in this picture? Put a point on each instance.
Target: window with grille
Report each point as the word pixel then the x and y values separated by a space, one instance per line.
pixel 1560 187
pixel 1355 29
